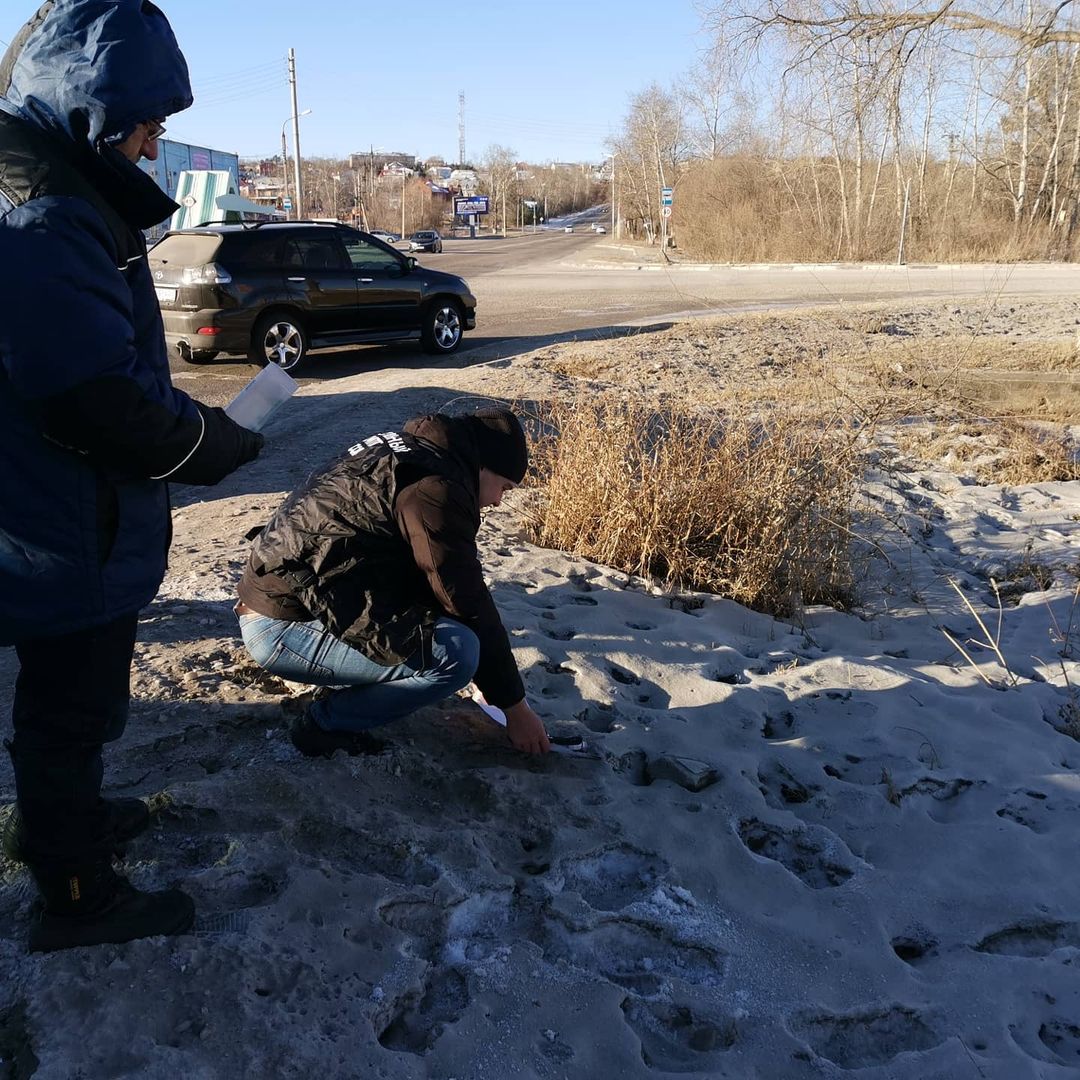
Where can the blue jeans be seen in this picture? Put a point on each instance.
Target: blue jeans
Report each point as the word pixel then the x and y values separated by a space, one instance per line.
pixel 367 693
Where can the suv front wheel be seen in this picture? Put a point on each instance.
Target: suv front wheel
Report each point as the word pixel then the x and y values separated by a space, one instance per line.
pixel 441 330
pixel 279 339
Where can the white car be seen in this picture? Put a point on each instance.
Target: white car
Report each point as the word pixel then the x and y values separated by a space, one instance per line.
pixel 599 229
pixel 568 228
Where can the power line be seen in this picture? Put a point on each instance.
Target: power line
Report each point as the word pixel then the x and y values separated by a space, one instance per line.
pixel 239 73
pixel 264 79
pixel 238 95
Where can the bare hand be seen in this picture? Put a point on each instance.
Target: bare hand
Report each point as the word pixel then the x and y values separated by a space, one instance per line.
pixel 526 729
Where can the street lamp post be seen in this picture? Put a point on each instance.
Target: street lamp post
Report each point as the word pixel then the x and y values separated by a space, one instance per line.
pixel 613 195
pixel 285 169
pixel 285 158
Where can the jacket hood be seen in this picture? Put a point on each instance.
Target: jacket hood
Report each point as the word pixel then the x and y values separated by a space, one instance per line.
pixel 93 69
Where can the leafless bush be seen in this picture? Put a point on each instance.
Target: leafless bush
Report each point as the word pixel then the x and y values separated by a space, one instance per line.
pixel 748 208
pixel 758 511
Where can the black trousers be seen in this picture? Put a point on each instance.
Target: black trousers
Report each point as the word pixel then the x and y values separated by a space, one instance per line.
pixel 71 697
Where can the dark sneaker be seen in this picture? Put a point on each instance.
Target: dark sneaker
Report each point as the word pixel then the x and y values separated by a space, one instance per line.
pixel 313 741
pixel 126 915
pixel 128 818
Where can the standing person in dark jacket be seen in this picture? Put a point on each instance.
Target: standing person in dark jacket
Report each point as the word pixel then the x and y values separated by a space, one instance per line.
pixel 91 429
pixel 367 579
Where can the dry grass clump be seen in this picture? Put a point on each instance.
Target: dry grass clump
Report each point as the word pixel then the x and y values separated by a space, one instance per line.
pixel 956 383
pixel 585 361
pixel 1033 457
pixel 971 353
pixel 994 450
pixel 755 511
pixel 1004 354
pixel 965 369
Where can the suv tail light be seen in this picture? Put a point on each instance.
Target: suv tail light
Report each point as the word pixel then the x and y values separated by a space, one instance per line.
pixel 210 274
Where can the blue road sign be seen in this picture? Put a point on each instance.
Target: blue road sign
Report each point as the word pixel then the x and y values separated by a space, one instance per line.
pixel 666 195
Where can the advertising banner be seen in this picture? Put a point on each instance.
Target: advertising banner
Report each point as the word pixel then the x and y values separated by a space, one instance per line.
pixel 472 204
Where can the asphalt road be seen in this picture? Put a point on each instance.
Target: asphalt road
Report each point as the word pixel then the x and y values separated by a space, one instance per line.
pixel 539 288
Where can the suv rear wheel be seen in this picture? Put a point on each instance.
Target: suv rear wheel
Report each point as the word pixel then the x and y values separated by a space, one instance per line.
pixel 279 338
pixel 441 330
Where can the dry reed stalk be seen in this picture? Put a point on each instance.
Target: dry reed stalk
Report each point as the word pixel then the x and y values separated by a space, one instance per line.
pixel 991 641
pixel 758 511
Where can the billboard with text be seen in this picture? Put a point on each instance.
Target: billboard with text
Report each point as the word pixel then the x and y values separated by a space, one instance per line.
pixel 472 204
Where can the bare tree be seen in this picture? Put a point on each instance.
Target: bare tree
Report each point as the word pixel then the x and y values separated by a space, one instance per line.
pixel 498 169
pixel 716 101
pixel 651 153
pixel 829 20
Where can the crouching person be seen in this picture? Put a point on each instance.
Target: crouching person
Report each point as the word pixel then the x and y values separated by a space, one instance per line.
pixel 367 580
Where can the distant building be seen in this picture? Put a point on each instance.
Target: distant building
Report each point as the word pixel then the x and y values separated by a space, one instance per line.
pixel 378 161
pixel 267 191
pixel 464 181
pixel 175 158
pixel 260 167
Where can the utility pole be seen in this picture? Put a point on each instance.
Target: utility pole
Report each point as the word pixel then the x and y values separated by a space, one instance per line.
pixel 296 137
pixel 461 129
pixel 402 203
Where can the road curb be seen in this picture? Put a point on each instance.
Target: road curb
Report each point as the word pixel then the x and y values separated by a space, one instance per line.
pixel 1073 268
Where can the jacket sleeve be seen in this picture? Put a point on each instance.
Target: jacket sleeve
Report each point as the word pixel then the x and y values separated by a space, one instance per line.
pixel 67 345
pixel 439 525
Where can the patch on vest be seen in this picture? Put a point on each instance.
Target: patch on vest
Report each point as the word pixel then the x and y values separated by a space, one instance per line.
pixel 390 438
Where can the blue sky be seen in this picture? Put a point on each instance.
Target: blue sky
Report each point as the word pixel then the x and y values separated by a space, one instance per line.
pixel 388 74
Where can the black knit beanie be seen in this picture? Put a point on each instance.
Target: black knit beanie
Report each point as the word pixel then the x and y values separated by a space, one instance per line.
pixel 500 441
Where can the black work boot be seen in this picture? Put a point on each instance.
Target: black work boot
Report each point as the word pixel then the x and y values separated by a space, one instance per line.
pixel 96 906
pixel 314 741
pixel 127 818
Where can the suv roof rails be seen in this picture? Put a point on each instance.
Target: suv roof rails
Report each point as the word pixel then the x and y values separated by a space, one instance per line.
pixel 303 221
pixel 248 225
pixel 222 221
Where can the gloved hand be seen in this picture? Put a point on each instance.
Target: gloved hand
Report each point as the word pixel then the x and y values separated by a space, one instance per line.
pixel 225 446
pixel 251 442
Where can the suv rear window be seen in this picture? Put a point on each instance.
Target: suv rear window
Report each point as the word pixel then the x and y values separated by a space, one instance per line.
pixel 186 249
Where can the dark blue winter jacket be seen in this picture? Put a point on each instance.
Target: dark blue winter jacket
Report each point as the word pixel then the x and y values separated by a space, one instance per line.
pixel 90 424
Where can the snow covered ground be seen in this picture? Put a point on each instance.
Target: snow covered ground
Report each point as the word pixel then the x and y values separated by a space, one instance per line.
pixel 818 847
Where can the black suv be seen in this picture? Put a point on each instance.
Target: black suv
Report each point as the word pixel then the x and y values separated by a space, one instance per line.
pixel 275 290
